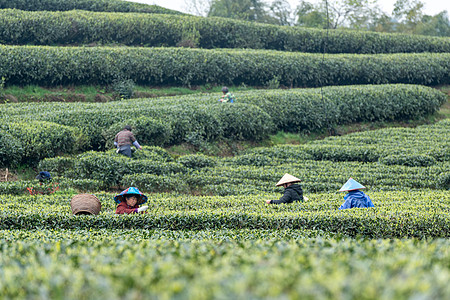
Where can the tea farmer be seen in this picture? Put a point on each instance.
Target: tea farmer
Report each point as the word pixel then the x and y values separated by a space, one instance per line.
pixel 292 191
pixel 129 201
pixel 355 197
pixel 44 176
pixel 123 141
pixel 227 96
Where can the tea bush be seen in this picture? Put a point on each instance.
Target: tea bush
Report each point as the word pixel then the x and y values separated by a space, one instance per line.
pixel 92 5
pixel 11 150
pixel 50 66
pixel 156 30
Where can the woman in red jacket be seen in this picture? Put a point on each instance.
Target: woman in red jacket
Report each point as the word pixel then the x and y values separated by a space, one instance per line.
pixel 129 201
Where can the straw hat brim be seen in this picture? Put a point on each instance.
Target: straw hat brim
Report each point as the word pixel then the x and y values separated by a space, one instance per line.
pixel 287 178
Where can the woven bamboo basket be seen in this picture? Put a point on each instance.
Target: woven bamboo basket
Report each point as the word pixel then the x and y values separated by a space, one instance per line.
pixel 85 204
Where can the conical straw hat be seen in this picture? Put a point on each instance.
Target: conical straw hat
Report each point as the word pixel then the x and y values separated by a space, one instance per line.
pixel 351 185
pixel 287 178
pixel 131 191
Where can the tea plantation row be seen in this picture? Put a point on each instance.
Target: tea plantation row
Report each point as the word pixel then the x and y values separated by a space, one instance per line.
pixel 92 5
pixel 52 66
pixel 420 214
pixel 167 269
pixel 157 30
pixel 31 132
pixel 422 161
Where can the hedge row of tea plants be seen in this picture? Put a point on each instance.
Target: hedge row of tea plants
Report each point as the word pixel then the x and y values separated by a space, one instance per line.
pixel 89 5
pixel 422 161
pixel 57 185
pixel 233 177
pixel 183 66
pixel 28 142
pixel 309 268
pixel 82 27
pixel 255 115
pixel 418 214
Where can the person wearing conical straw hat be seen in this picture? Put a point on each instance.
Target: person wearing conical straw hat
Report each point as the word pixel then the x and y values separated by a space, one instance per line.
pixel 129 201
pixel 292 191
pixel 355 197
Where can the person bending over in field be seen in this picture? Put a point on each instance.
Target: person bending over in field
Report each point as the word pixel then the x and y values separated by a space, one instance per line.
pixel 123 141
pixel 227 96
pixel 129 201
pixel 355 197
pixel 292 191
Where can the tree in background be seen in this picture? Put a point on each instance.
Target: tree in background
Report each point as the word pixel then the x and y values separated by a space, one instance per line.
pixel 407 15
pixel 355 14
pixel 247 10
pixel 281 12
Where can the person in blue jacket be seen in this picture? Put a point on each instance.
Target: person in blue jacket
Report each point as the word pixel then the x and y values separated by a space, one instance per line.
pixel 355 197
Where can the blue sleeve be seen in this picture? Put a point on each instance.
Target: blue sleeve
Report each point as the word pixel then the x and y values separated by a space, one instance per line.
pixel 345 205
pixel 136 144
pixel 115 144
pixel 369 202
pixel 347 202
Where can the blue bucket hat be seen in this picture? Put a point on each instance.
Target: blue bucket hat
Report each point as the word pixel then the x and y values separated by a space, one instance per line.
pixel 131 191
pixel 351 185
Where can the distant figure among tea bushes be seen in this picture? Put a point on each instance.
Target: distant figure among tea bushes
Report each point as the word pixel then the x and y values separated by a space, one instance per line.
pixel 292 192
pixel 355 197
pixel 227 96
pixel 123 141
pixel 129 201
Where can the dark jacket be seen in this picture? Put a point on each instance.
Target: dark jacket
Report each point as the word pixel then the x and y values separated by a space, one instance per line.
pixel 291 193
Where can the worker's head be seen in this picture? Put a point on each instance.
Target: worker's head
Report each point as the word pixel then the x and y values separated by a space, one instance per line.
pixel 131 199
pixel 224 90
pixel 285 185
pixel 127 127
pixel 131 191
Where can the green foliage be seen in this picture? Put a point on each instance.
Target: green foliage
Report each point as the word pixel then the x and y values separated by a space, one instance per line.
pixel 205 264
pixel 443 181
pixel 198 119
pixel 408 160
pixel 154 183
pixel 41 139
pixel 155 30
pixel 197 161
pixel 11 150
pixel 111 167
pixel 63 185
pixel 184 66
pixel 93 5
pixel 148 131
pixel 123 87
pixel 243 121
pixel 399 214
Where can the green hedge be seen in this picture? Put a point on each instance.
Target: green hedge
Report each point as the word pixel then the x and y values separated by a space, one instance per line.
pixel 151 132
pixel 396 215
pixel 181 66
pixel 41 139
pixel 200 118
pixel 110 168
pixel 11 150
pixel 82 27
pixel 225 264
pixel 93 5
pixel 63 184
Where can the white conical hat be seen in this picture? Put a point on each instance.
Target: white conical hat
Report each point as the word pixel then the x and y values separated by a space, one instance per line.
pixel 351 185
pixel 287 178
